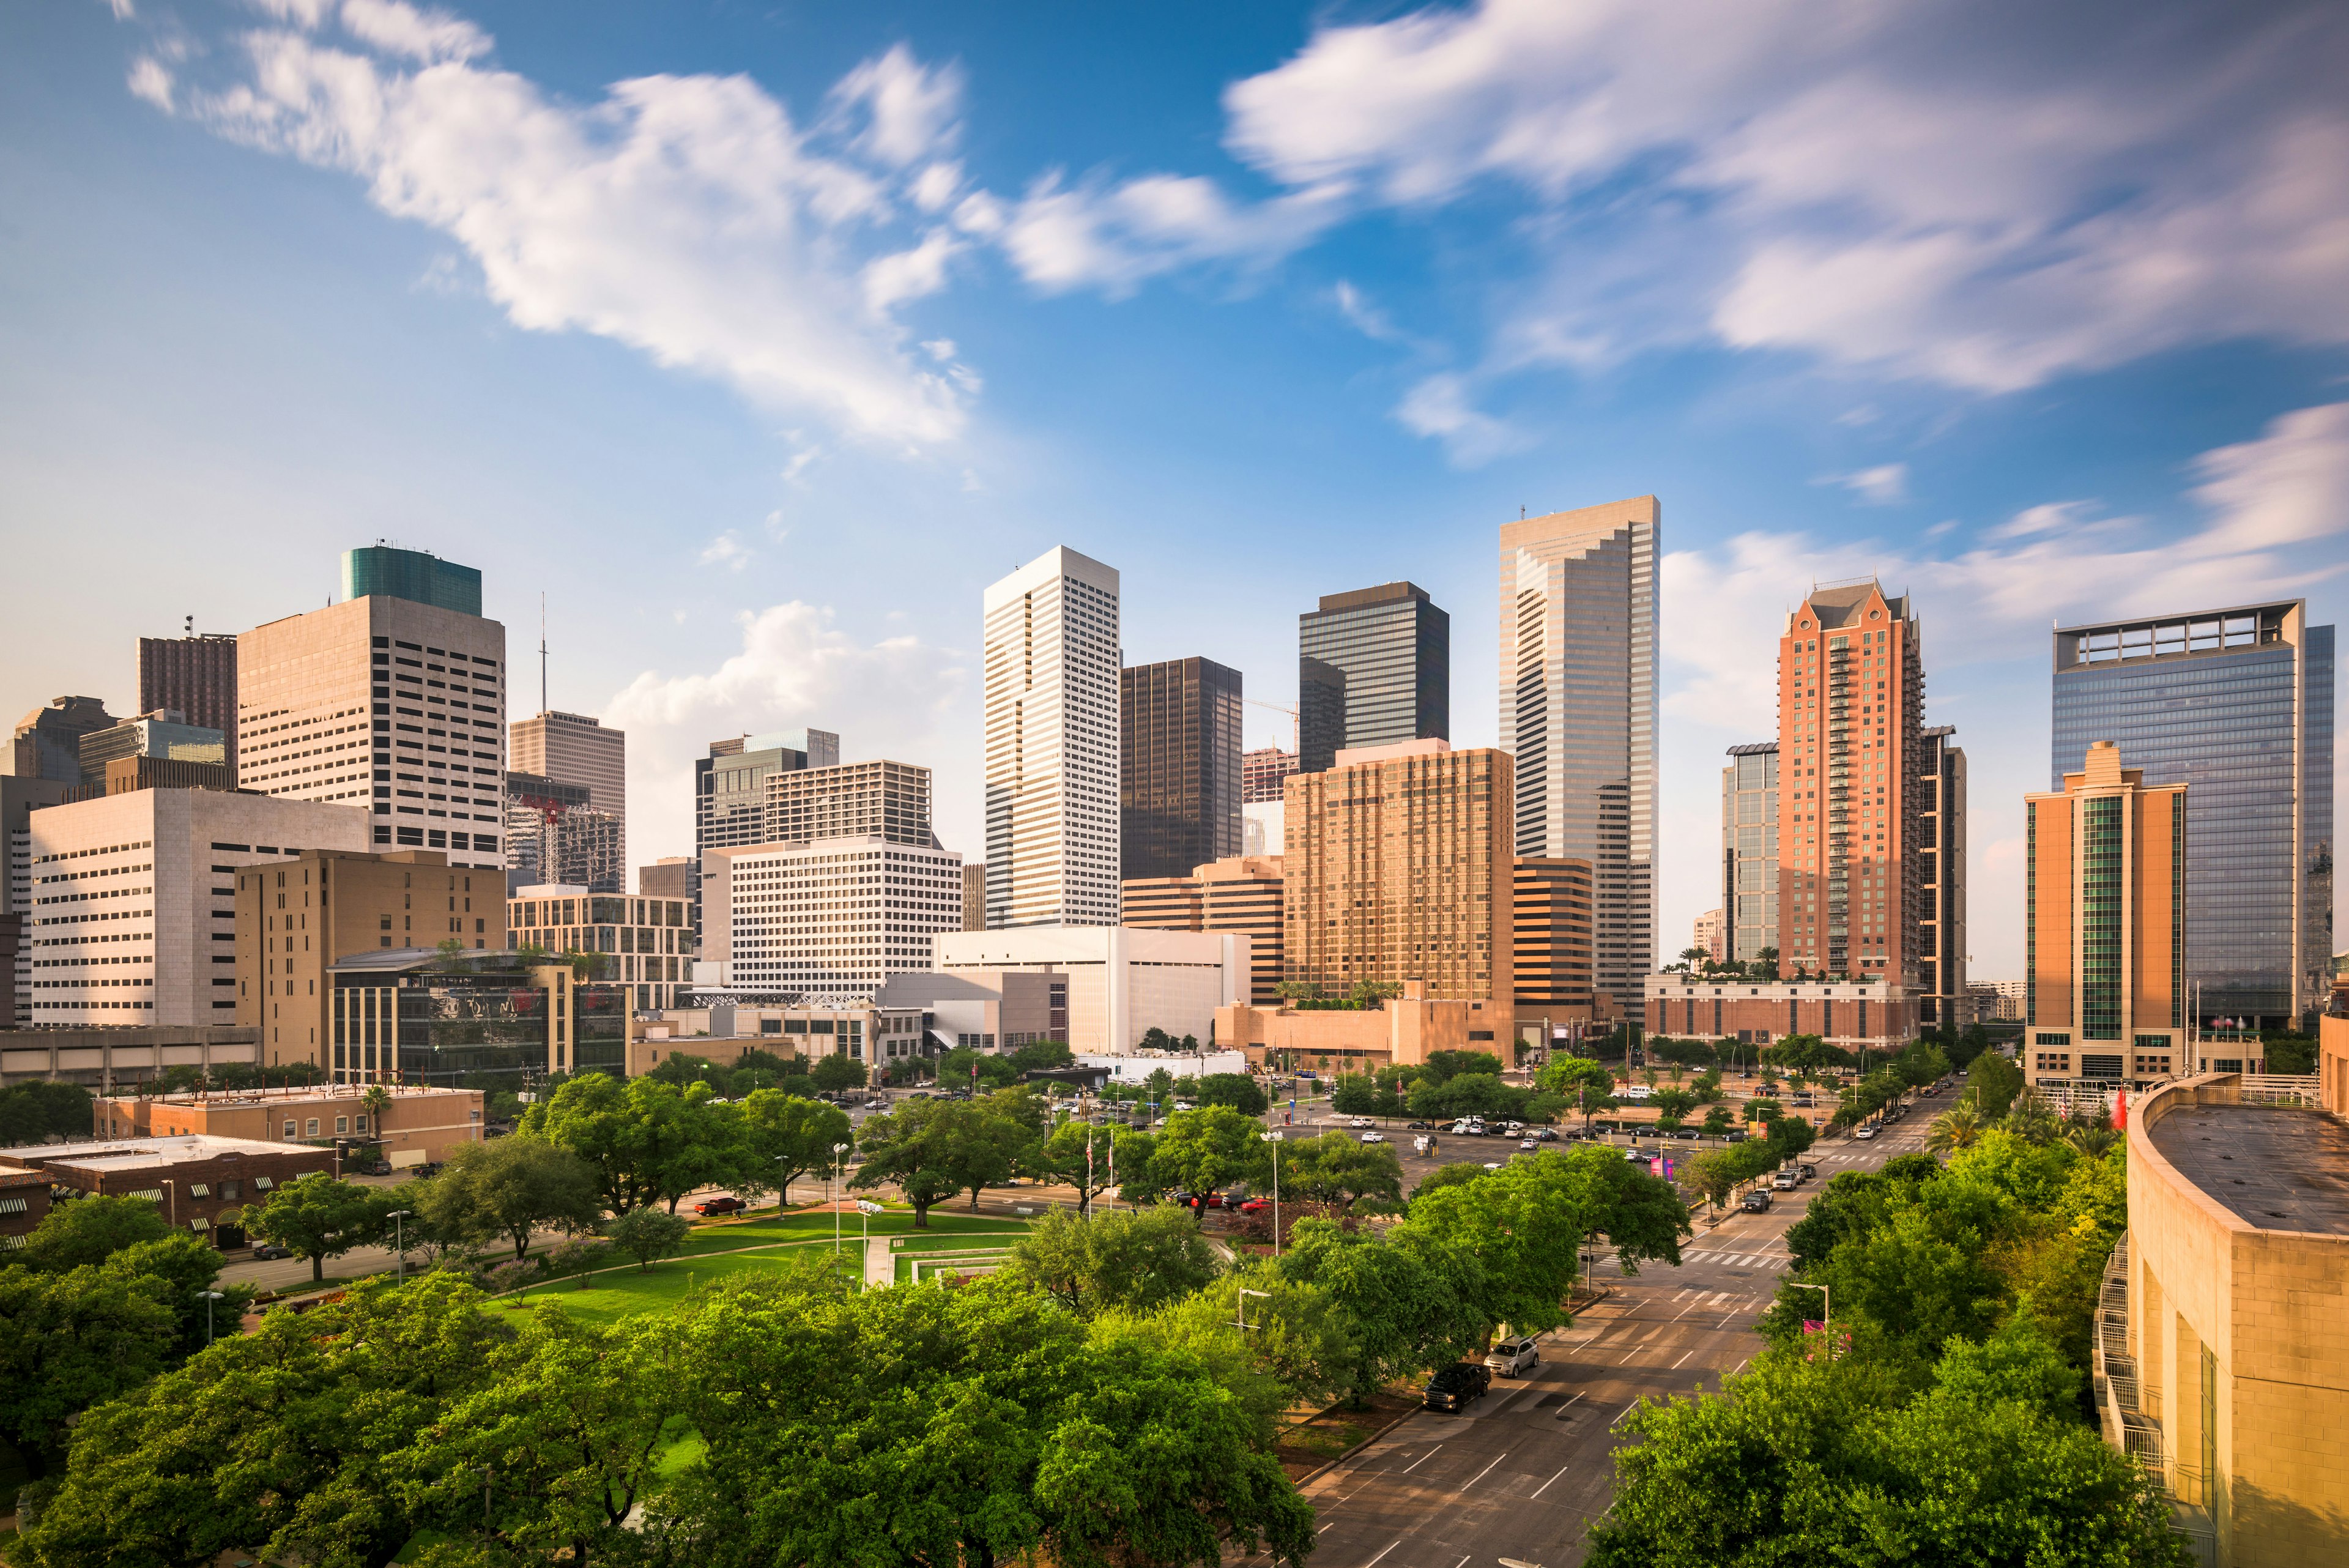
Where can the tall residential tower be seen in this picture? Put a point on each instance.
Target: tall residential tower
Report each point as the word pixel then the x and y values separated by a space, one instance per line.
pixel 1051 661
pixel 1578 650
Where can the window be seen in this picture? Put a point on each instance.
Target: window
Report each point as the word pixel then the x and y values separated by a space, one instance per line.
pixel 314 1127
pixel 198 1189
pixel 359 1126
pixel 342 1124
pixel 289 1129
pixel 263 1183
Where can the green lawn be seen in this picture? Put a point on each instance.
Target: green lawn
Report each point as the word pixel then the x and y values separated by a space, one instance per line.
pixel 800 1226
pixel 612 1296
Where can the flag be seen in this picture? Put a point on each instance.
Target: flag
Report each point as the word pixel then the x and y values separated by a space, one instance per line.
pixel 1813 1325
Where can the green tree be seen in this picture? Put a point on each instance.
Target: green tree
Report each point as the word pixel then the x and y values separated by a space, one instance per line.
pixel 88 1231
pixel 2033 1118
pixel 1672 1105
pixel 832 1075
pixel 1955 1128
pixel 1042 1057
pixel 780 1137
pixel 646 1141
pixel 319 1217
pixel 509 1187
pixel 1112 1149
pixel 1467 1094
pixel 932 1150
pixel 1337 1170
pixel 75 1339
pixel 1993 1081
pixel 1441 1065
pixel 1237 1090
pixel 1135 1261
pixel 1362 1095
pixel 647 1235
pixel 38 1109
pixel 1444 1176
pixel 1717 1121
pixel 1410 1305
pixel 1207 1149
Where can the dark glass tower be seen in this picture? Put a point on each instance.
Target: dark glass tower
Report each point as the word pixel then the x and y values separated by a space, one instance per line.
pixel 2238 705
pixel 1179 775
pixel 1374 666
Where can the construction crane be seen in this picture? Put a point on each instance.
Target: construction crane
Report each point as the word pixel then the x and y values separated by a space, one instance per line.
pixel 1288 708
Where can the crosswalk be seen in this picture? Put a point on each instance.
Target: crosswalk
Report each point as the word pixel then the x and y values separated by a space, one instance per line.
pixel 1773 1261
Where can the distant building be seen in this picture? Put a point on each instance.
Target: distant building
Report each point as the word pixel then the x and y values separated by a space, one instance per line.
pixel 1871 1015
pixel 199 1184
pixel 196 676
pixel 1051 660
pixel 1241 893
pixel 1995 1001
pixel 164 736
pixel 416 1127
pixel 986 1009
pixel 393 701
pixel 19 799
pixel 127 775
pixel 1707 936
pixel 555 834
pixel 573 748
pixel 1122 983
pixel 1399 869
pixel 132 917
pixel 645 944
pixel 670 877
pixel 1749 849
pixel 885 800
pixel 1941 877
pixel 521 1021
pixel 47 743
pixel 2105 936
pixel 1179 779
pixel 1401 1031
pixel 1264 773
pixel 1551 961
pixel 826 920
pixel 974 896
pixel 1264 828
pixel 1374 666
pixel 729 788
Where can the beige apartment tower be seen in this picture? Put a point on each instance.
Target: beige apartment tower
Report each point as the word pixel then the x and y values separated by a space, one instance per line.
pixel 2104 928
pixel 1240 893
pixel 1399 869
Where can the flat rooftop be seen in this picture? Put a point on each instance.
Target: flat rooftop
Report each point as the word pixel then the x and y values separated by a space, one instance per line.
pixel 2274 1166
pixel 138 1153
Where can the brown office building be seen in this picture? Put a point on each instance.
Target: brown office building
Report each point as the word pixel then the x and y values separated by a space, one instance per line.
pixel 196 676
pixel 1552 962
pixel 1851 707
pixel 1264 775
pixel 1399 869
pixel 1240 893
pixel 294 920
pixel 2105 930
pixel 1179 775
pixel 974 896
pixel 1942 994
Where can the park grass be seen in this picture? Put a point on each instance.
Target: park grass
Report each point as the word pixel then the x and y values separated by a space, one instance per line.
pixel 801 1226
pixel 629 1292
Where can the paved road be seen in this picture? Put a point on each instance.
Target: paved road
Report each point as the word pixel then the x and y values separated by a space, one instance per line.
pixel 1529 1469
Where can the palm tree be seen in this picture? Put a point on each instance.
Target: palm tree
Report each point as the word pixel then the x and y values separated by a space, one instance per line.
pixel 2090 1139
pixel 1954 1128
pixel 2033 1118
pixel 376 1100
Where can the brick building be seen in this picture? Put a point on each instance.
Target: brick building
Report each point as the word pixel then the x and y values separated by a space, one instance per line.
pixel 200 1184
pixel 24 1203
pixel 1239 893
pixel 415 1127
pixel 1873 1015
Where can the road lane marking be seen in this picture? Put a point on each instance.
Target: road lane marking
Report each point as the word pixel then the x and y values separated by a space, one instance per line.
pixel 1373 1562
pixel 1676 1365
pixel 1621 1414
pixel 1419 1461
pixel 1480 1475
pixel 1545 1485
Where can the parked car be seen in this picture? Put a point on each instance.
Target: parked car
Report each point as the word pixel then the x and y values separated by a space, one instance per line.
pixel 1375 1138
pixel 1546 1135
pixel 1638 1092
pixel 1756 1202
pixel 1686 1135
pixel 1511 1357
pixel 1864 1132
pixel 1231 1200
pixel 1360 1122
pixel 1257 1206
pixel 1806 1170
pixel 1419 1127
pixel 1456 1387
pixel 265 1252
pixel 721 1206
pixel 1528 1145
pixel 1783 1180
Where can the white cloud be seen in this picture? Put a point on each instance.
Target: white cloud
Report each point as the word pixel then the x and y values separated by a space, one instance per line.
pixel 1113 236
pixel 2289 486
pixel 1880 487
pixel 687 217
pixel 795 667
pixel 1439 407
pixel 912 112
pixel 151 81
pixel 1364 318
pixel 727 551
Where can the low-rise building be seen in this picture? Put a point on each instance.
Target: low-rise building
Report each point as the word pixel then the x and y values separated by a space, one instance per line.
pixel 1121 983
pixel 1403 1031
pixel 647 942
pixel 876 1035
pixel 830 919
pixel 1854 1015
pixel 105 1059
pixel 2221 1346
pixel 199 1184
pixel 986 1009
pixel 24 1204
pixel 412 1125
pixel 418 1016
pixel 1240 893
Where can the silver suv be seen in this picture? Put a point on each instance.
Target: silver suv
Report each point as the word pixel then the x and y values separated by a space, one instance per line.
pixel 1511 1357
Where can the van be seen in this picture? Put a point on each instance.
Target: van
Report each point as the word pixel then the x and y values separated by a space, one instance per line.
pixel 1638 1092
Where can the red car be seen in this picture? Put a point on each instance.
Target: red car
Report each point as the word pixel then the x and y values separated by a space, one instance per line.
pixel 1257 1206
pixel 721 1206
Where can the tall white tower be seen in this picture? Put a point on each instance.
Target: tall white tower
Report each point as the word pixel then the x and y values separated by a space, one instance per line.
pixel 1578 651
pixel 1051 675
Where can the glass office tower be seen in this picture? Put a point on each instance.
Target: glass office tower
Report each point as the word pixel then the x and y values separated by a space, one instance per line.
pixel 1179 786
pixel 1749 850
pixel 1374 666
pixel 2237 705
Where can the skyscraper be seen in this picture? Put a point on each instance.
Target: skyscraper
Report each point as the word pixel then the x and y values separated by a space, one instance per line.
pixel 1942 998
pixel 573 748
pixel 386 571
pixel 885 800
pixel 196 676
pixel 1179 779
pixel 1264 773
pixel 729 789
pixel 1749 849
pixel 1051 661
pixel 386 700
pixel 1374 666
pixel 47 743
pixel 2239 703
pixel 2106 928
pixel 1851 707
pixel 1578 650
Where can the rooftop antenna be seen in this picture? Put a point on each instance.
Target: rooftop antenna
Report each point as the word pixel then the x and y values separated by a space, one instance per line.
pixel 541 650
pixel 191 622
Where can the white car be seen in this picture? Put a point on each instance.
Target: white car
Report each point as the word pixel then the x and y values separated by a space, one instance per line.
pixel 1361 1122
pixel 1511 1357
pixel 1864 1132
pixel 1375 1138
pixel 1528 1145
pixel 1638 1092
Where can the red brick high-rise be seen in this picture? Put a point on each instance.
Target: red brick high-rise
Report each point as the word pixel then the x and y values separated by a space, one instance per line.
pixel 1851 702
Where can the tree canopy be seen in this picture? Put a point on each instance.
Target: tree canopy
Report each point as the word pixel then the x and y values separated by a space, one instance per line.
pixel 320 1217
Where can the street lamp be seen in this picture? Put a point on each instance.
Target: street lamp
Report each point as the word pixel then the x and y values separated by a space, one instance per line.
pixel 837 1150
pixel 210 1297
pixel 867 1208
pixel 1274 1138
pixel 399 1248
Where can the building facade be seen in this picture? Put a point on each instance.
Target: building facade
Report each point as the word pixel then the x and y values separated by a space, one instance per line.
pixel 1121 984
pixel 1179 773
pixel 554 834
pixel 573 748
pixel 1400 1030
pixel 386 571
pixel 47 743
pixel 974 896
pixel 414 1127
pixel 645 945
pixel 412 1016
pixel 1551 964
pixel 19 798
pixel 729 787
pixel 1264 775
pixel 826 921
pixel 194 676
pixel 1708 933
pixel 1867 1016
pixel 1578 670
pixel 1749 850
pixel 198 1184
pixel 2105 892
pixel 1240 893
pixel 165 735
pixel 1941 989
pixel 883 800
pixel 134 899
pixel 2237 703
pixel 1851 707
pixel 1374 668
pixel 387 703
pixel 1051 661
pixel 1399 867
pixel 294 920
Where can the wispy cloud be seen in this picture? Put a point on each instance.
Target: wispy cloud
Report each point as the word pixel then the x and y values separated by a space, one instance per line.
pixel 1439 406
pixel 728 550
pixel 1879 486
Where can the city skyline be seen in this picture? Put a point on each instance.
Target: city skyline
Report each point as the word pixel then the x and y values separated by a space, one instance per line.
pixel 393 382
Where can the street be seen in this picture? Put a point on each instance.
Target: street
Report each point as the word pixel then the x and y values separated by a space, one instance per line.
pixel 1526 1472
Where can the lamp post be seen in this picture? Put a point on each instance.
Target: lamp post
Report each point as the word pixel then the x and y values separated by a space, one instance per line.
pixel 1275 1139
pixel 210 1297
pixel 399 1247
pixel 837 1150
pixel 867 1209
pixel 1827 1312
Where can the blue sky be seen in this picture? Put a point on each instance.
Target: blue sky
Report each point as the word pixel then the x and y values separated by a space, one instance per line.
pixel 759 339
